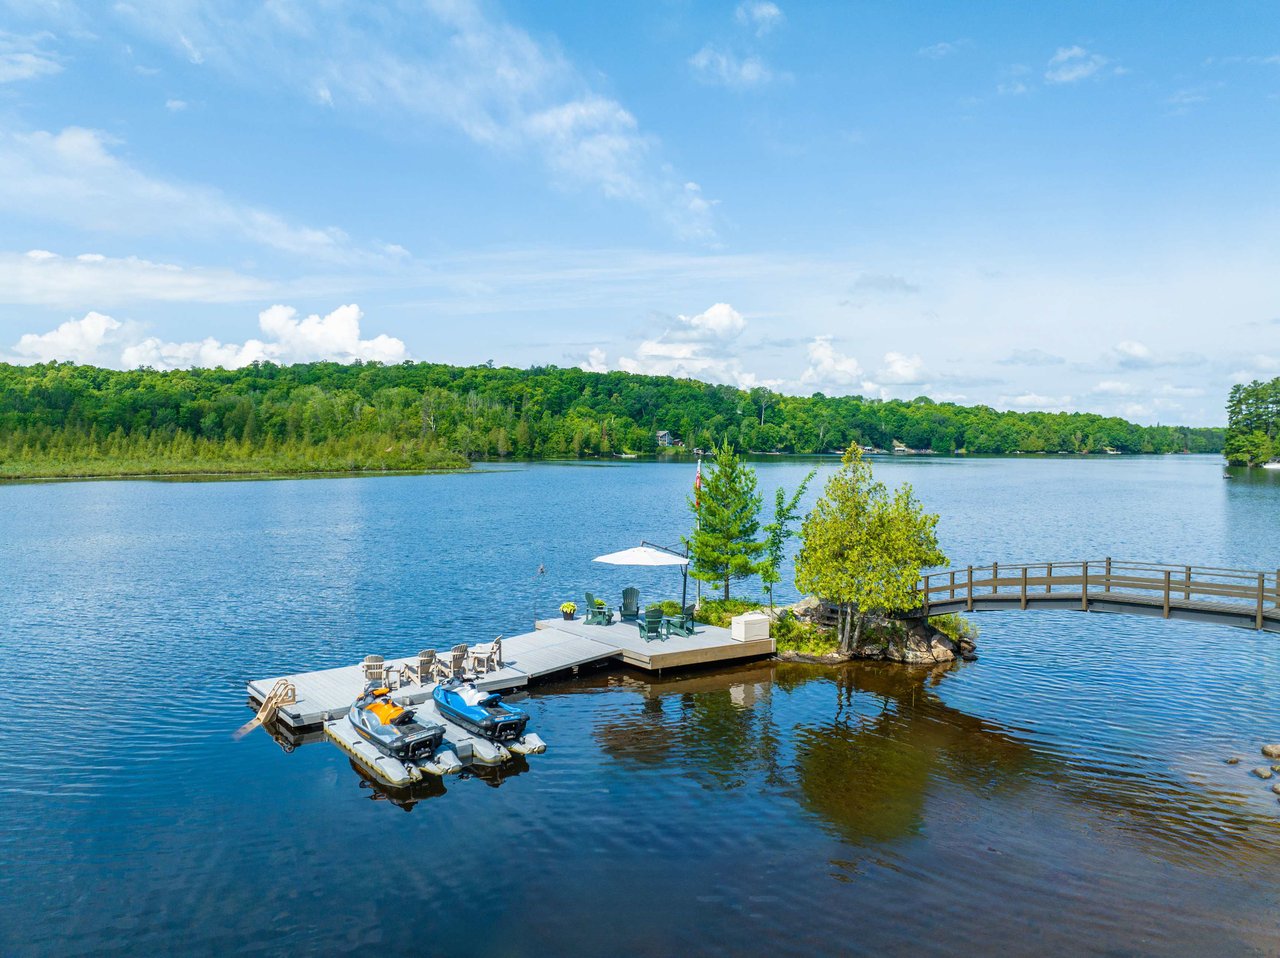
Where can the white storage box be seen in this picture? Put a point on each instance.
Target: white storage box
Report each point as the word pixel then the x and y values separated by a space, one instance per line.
pixel 749 626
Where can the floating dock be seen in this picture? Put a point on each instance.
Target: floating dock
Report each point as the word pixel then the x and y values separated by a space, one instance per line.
pixel 320 700
pixel 554 647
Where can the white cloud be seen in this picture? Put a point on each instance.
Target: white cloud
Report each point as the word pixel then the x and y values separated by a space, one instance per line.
pixel 1131 354
pixel 454 63
pixel 73 176
pixel 175 106
pixel 759 15
pixel 40 277
pixel 1035 402
pixel 1114 387
pixel 830 371
pixel 102 340
pixel 723 67
pixel 902 370
pixel 1031 357
pixel 76 340
pixel 596 361
pixel 1073 64
pixel 720 321
pixel 24 57
pixel 937 51
pixel 699 346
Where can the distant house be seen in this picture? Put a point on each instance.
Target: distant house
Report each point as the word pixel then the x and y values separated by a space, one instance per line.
pixel 664 437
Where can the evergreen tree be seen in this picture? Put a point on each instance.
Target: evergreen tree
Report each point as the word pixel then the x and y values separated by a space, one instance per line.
pixel 862 548
pixel 724 546
pixel 778 532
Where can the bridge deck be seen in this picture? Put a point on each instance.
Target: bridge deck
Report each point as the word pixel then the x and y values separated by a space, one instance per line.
pixel 1222 596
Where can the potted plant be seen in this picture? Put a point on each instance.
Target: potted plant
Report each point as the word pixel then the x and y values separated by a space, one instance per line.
pixel 568 609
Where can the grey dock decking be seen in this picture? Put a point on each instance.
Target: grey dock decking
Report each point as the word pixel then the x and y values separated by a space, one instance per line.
pixel 554 646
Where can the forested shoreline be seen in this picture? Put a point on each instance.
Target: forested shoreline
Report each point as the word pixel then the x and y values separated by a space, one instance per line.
pixel 1253 423
pixel 65 419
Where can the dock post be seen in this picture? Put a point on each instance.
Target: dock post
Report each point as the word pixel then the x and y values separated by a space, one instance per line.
pixel 995 577
pixel 1106 582
pixel 970 606
pixel 1186 589
pixel 1024 587
pixel 1166 593
pixel 1084 587
pixel 1262 585
pixel 1048 579
pixel 952 594
pixel 926 597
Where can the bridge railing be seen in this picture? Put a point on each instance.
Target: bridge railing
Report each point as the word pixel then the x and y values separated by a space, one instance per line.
pixel 1206 588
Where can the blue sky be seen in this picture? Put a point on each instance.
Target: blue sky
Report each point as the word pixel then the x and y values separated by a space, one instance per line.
pixel 1064 206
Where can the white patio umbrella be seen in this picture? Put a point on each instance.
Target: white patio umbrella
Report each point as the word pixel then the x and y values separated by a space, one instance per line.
pixel 648 554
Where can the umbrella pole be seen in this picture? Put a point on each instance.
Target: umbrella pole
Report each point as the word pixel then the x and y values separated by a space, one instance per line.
pixel 684 590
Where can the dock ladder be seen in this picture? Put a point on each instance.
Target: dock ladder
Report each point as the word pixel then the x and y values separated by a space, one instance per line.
pixel 282 693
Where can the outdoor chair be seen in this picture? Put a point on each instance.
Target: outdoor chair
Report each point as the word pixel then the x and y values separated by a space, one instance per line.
pixel 650 625
pixel 374 669
pixel 681 623
pixel 487 657
pixel 442 669
pixel 426 665
pixel 458 661
pixel 597 614
pixel 630 604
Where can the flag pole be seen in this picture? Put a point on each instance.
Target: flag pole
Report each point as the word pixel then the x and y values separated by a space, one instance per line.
pixel 697 519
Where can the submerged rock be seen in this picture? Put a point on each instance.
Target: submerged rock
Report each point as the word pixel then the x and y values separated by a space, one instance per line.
pixel 1233 760
pixel 1271 751
pixel 1276 788
pixel 1263 772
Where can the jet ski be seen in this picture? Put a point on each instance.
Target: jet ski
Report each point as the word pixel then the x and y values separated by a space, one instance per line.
pixel 481 713
pixel 393 729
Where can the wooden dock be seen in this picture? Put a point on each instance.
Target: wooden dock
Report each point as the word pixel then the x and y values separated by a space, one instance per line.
pixel 554 647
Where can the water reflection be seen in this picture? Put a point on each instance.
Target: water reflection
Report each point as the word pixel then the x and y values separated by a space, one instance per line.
pixel 865 748
pixel 868 769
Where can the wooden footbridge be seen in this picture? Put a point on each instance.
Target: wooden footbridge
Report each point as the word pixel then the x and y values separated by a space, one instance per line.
pixel 1248 599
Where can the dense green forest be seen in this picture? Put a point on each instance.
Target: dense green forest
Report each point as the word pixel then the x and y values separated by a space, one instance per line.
pixel 1253 423
pixel 64 419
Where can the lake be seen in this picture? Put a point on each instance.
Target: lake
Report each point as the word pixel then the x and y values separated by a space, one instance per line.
pixel 1068 792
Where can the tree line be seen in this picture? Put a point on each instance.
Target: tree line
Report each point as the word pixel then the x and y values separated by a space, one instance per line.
pixel 1253 423
pixel 368 415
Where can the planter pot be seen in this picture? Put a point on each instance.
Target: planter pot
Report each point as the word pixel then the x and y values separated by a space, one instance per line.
pixel 568 616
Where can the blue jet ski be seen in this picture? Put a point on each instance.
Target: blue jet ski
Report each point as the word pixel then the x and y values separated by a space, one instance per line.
pixel 481 713
pixel 393 729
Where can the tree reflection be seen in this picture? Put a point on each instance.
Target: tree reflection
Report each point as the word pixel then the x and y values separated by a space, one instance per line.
pixel 868 770
pixel 865 769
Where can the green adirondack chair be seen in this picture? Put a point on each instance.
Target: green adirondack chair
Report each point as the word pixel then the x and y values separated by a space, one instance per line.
pixel 630 604
pixel 595 613
pixel 650 625
pixel 681 623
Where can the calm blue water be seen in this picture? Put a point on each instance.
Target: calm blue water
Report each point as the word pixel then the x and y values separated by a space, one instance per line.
pixel 1066 793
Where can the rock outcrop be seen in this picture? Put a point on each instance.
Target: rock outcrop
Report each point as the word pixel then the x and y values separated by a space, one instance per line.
pixel 909 641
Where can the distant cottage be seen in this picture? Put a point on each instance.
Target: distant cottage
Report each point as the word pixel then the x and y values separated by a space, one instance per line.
pixel 666 439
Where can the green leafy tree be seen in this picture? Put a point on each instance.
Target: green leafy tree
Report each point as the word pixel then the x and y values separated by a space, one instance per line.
pixel 778 532
pixel 862 548
pixel 724 545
